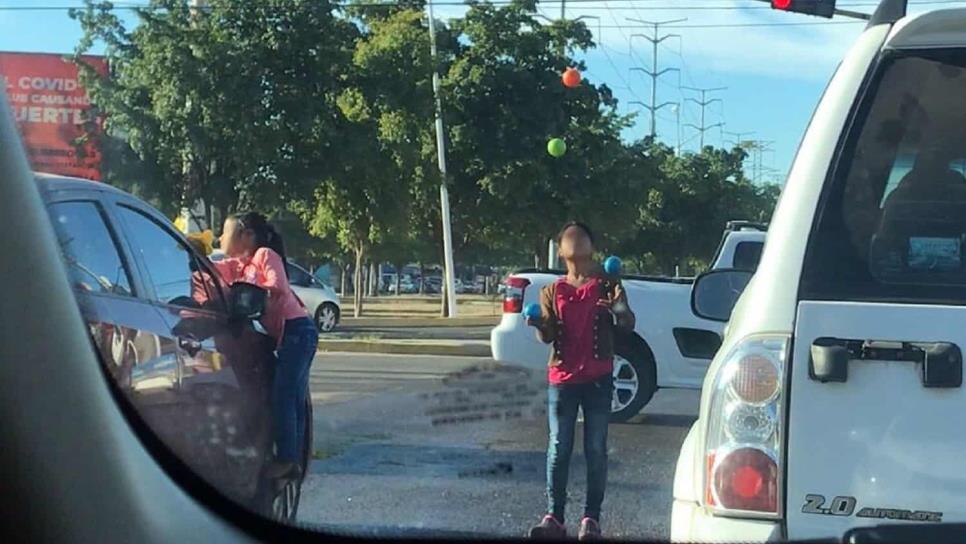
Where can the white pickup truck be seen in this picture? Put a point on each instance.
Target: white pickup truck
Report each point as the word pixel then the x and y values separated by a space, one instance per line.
pixel 833 406
pixel 671 347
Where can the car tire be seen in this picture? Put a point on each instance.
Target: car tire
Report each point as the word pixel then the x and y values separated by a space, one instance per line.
pixel 326 317
pixel 635 378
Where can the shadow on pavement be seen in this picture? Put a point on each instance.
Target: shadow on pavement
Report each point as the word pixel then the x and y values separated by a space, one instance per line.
pixel 664 420
pixel 443 462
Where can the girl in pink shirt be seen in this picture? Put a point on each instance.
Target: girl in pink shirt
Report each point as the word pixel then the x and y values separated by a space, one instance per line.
pixel 580 315
pixel 255 254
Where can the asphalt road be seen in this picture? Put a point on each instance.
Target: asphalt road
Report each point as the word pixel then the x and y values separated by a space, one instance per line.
pixel 418 445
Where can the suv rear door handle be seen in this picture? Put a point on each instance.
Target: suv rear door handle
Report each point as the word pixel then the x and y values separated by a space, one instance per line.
pixel 942 362
pixel 190 345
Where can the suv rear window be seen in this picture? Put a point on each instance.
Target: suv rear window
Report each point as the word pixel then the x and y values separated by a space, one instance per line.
pixel 892 224
pixel 747 255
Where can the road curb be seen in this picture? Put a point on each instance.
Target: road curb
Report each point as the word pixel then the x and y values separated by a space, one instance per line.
pixel 452 349
pixel 482 321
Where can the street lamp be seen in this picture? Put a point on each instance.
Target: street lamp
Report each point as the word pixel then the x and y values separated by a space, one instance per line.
pixel 448 271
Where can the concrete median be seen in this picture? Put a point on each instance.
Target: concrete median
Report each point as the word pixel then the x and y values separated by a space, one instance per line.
pixel 420 321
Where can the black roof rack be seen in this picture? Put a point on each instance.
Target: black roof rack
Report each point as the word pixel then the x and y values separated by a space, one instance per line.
pixel 888 12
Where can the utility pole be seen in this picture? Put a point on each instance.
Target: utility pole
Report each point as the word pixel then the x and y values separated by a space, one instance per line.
pixel 758 149
pixel 448 270
pixel 654 73
pixel 704 102
pixel 739 136
pixel 676 108
pixel 192 212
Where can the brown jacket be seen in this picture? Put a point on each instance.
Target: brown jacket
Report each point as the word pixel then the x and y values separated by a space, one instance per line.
pixel 550 328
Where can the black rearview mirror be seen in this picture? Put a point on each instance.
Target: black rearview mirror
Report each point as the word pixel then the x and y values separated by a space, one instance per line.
pixel 247 301
pixel 715 293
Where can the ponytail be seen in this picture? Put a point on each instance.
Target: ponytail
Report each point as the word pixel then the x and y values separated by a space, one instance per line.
pixel 265 233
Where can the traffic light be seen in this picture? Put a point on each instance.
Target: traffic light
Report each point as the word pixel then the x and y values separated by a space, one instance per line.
pixel 820 8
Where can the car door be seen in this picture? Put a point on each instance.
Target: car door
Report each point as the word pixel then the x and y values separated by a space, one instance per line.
pixel 876 374
pixel 123 329
pixel 218 416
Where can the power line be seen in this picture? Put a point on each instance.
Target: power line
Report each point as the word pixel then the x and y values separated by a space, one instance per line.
pixel 739 136
pixel 749 25
pixel 134 7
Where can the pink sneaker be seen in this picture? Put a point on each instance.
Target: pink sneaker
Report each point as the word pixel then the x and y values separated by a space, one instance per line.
pixel 548 528
pixel 589 529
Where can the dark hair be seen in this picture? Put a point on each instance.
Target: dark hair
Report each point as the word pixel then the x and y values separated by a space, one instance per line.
pixel 577 224
pixel 265 233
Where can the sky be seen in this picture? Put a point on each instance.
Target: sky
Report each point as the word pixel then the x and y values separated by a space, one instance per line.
pixel 773 65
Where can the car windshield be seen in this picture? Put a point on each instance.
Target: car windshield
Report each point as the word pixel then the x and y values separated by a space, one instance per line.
pixel 396 268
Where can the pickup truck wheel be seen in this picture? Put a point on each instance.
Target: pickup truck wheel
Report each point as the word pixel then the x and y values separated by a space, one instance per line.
pixel 635 381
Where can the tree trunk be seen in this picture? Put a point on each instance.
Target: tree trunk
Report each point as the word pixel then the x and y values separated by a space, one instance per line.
pixel 422 276
pixel 398 268
pixel 359 285
pixel 373 279
pixel 344 280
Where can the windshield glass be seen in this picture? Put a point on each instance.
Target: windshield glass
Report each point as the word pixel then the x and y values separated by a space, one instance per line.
pixel 394 268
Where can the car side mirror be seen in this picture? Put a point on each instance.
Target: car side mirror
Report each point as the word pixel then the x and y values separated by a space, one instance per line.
pixel 247 301
pixel 714 293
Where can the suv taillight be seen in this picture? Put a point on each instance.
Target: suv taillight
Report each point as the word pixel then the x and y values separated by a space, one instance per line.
pixel 513 299
pixel 743 448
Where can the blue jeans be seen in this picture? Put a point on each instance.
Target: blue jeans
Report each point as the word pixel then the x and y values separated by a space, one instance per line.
pixel 300 340
pixel 564 399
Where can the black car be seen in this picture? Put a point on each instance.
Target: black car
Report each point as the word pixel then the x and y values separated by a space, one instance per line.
pixel 188 358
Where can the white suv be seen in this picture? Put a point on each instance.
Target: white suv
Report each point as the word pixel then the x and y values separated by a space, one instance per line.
pixel 834 399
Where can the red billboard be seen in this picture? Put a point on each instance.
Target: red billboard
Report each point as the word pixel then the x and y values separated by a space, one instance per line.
pixel 51 109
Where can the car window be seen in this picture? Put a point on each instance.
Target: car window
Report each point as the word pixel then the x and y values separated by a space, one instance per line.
pixel 894 223
pixel 93 262
pixel 747 255
pixel 175 273
pixel 297 276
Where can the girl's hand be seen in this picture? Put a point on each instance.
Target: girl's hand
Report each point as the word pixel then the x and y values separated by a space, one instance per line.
pixel 606 304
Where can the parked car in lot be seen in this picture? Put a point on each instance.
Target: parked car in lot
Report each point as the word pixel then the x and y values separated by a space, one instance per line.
pixel 406 286
pixel 834 401
pixel 179 347
pixel 432 284
pixel 474 287
pixel 320 299
pixel 670 347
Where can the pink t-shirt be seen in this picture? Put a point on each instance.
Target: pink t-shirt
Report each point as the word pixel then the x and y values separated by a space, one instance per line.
pixel 266 269
pixel 576 308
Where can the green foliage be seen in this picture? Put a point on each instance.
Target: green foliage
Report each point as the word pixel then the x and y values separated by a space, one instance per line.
pixel 324 115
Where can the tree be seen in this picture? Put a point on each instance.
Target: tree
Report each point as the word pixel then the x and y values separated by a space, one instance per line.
pixel 233 103
pixel 503 100
pixel 386 99
pixel 682 215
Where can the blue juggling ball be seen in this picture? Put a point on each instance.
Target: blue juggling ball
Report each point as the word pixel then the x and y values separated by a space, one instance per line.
pixel 612 265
